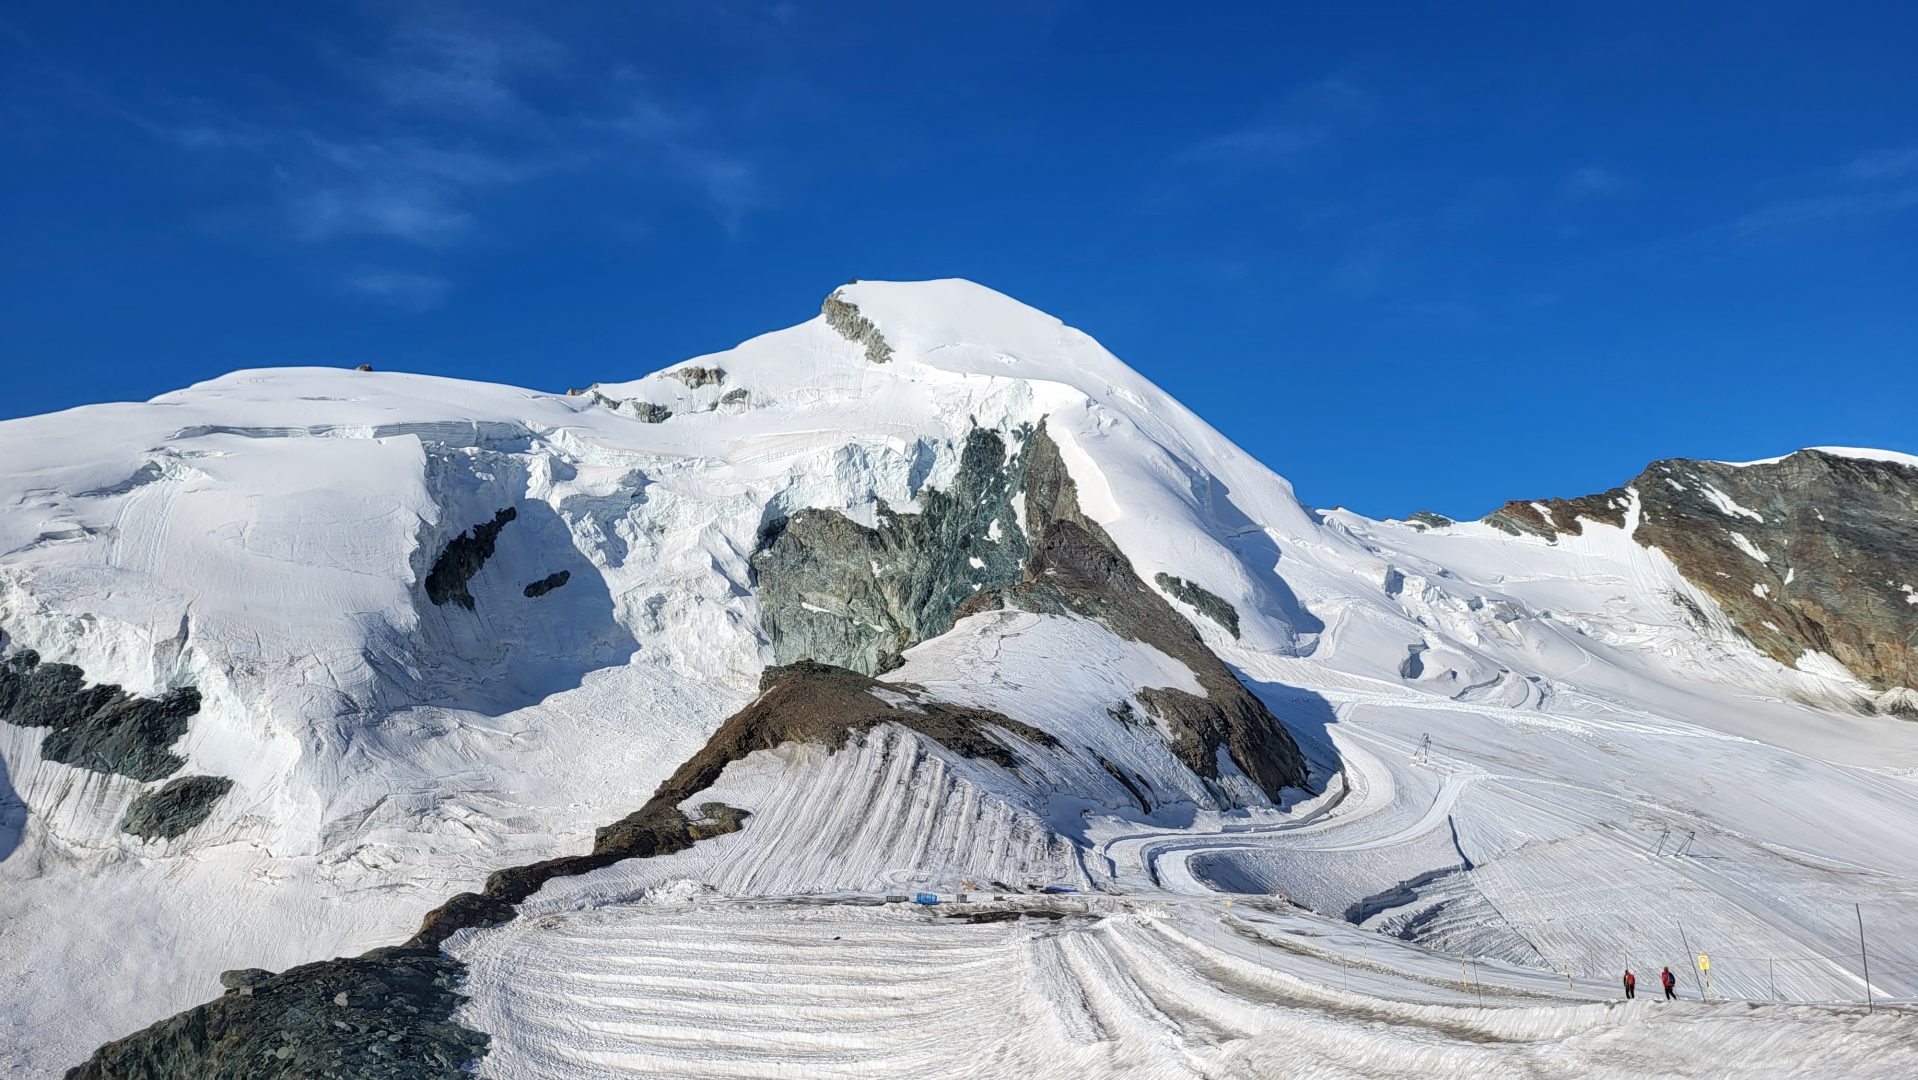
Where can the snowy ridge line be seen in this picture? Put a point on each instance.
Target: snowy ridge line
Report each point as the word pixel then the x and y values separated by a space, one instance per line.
pixel 1565 710
pixel 1862 453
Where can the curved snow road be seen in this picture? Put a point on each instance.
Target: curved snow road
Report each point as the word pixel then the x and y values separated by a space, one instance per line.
pixel 1370 787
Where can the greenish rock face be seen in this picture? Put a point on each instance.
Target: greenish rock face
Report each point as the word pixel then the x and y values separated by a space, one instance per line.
pixel 1429 520
pixel 835 591
pixel 385 1014
pixel 462 558
pixel 175 809
pixel 1202 600
pixel 101 727
pixel 1814 552
pixel 844 317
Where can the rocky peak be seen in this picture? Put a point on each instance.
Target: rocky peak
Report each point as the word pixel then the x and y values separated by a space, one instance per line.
pixel 1811 552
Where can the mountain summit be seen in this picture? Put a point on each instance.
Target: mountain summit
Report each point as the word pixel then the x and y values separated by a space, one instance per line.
pixel 441 722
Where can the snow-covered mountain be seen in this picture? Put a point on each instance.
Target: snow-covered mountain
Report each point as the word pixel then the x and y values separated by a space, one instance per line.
pixel 590 729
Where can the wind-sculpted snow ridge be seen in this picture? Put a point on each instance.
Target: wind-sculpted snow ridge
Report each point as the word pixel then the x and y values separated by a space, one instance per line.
pixel 931 593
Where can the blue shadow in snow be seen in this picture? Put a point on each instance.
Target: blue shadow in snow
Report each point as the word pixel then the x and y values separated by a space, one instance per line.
pixel 13 814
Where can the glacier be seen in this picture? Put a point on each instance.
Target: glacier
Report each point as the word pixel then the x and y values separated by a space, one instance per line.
pixel 439 628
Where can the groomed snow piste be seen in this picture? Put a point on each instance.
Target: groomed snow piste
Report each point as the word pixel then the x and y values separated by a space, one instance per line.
pixel 1536 762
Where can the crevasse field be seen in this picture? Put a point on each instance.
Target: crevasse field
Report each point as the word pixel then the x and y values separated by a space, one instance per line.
pixel 1533 763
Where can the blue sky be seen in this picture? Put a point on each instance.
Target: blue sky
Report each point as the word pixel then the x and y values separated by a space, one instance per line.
pixel 1409 255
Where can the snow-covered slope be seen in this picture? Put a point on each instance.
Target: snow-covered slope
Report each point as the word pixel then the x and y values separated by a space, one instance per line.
pixel 438 628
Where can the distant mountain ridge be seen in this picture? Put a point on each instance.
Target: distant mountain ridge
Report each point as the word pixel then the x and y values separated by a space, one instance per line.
pixel 373 700
pixel 1809 553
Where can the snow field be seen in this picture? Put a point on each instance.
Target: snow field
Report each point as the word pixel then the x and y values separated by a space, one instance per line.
pixel 263 537
pixel 772 988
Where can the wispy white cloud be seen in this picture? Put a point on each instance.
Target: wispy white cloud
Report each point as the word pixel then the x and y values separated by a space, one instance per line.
pixel 404 188
pixel 730 185
pixel 402 289
pixel 1884 164
pixel 676 142
pixel 415 215
pixel 1872 184
pixel 458 65
pixel 1302 120
pixel 1789 213
pixel 441 115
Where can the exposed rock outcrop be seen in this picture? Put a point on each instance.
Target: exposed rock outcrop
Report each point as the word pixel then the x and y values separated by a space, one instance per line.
pixel 175 809
pixel 388 1013
pixel 241 978
pixel 836 591
pixel 1202 600
pixel 1076 567
pixel 547 584
pixel 462 558
pixel 805 702
pixel 646 412
pixel 843 316
pixel 1550 517
pixel 100 727
pixel 1813 552
pixel 696 375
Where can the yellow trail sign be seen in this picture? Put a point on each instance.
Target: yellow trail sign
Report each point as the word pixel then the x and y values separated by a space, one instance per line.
pixel 1704 962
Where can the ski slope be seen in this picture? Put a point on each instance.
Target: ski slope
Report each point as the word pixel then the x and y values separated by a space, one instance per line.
pixel 694 986
pixel 1534 762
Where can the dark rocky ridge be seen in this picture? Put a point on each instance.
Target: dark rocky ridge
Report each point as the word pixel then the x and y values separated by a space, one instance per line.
pixel 547 584
pixel 1202 600
pixel 806 702
pixel 1549 517
pixel 844 317
pixel 388 1013
pixel 1075 567
pixel 462 558
pixel 696 375
pixel 175 809
pixel 101 727
pixel 397 1015
pixel 1837 532
pixel 823 599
